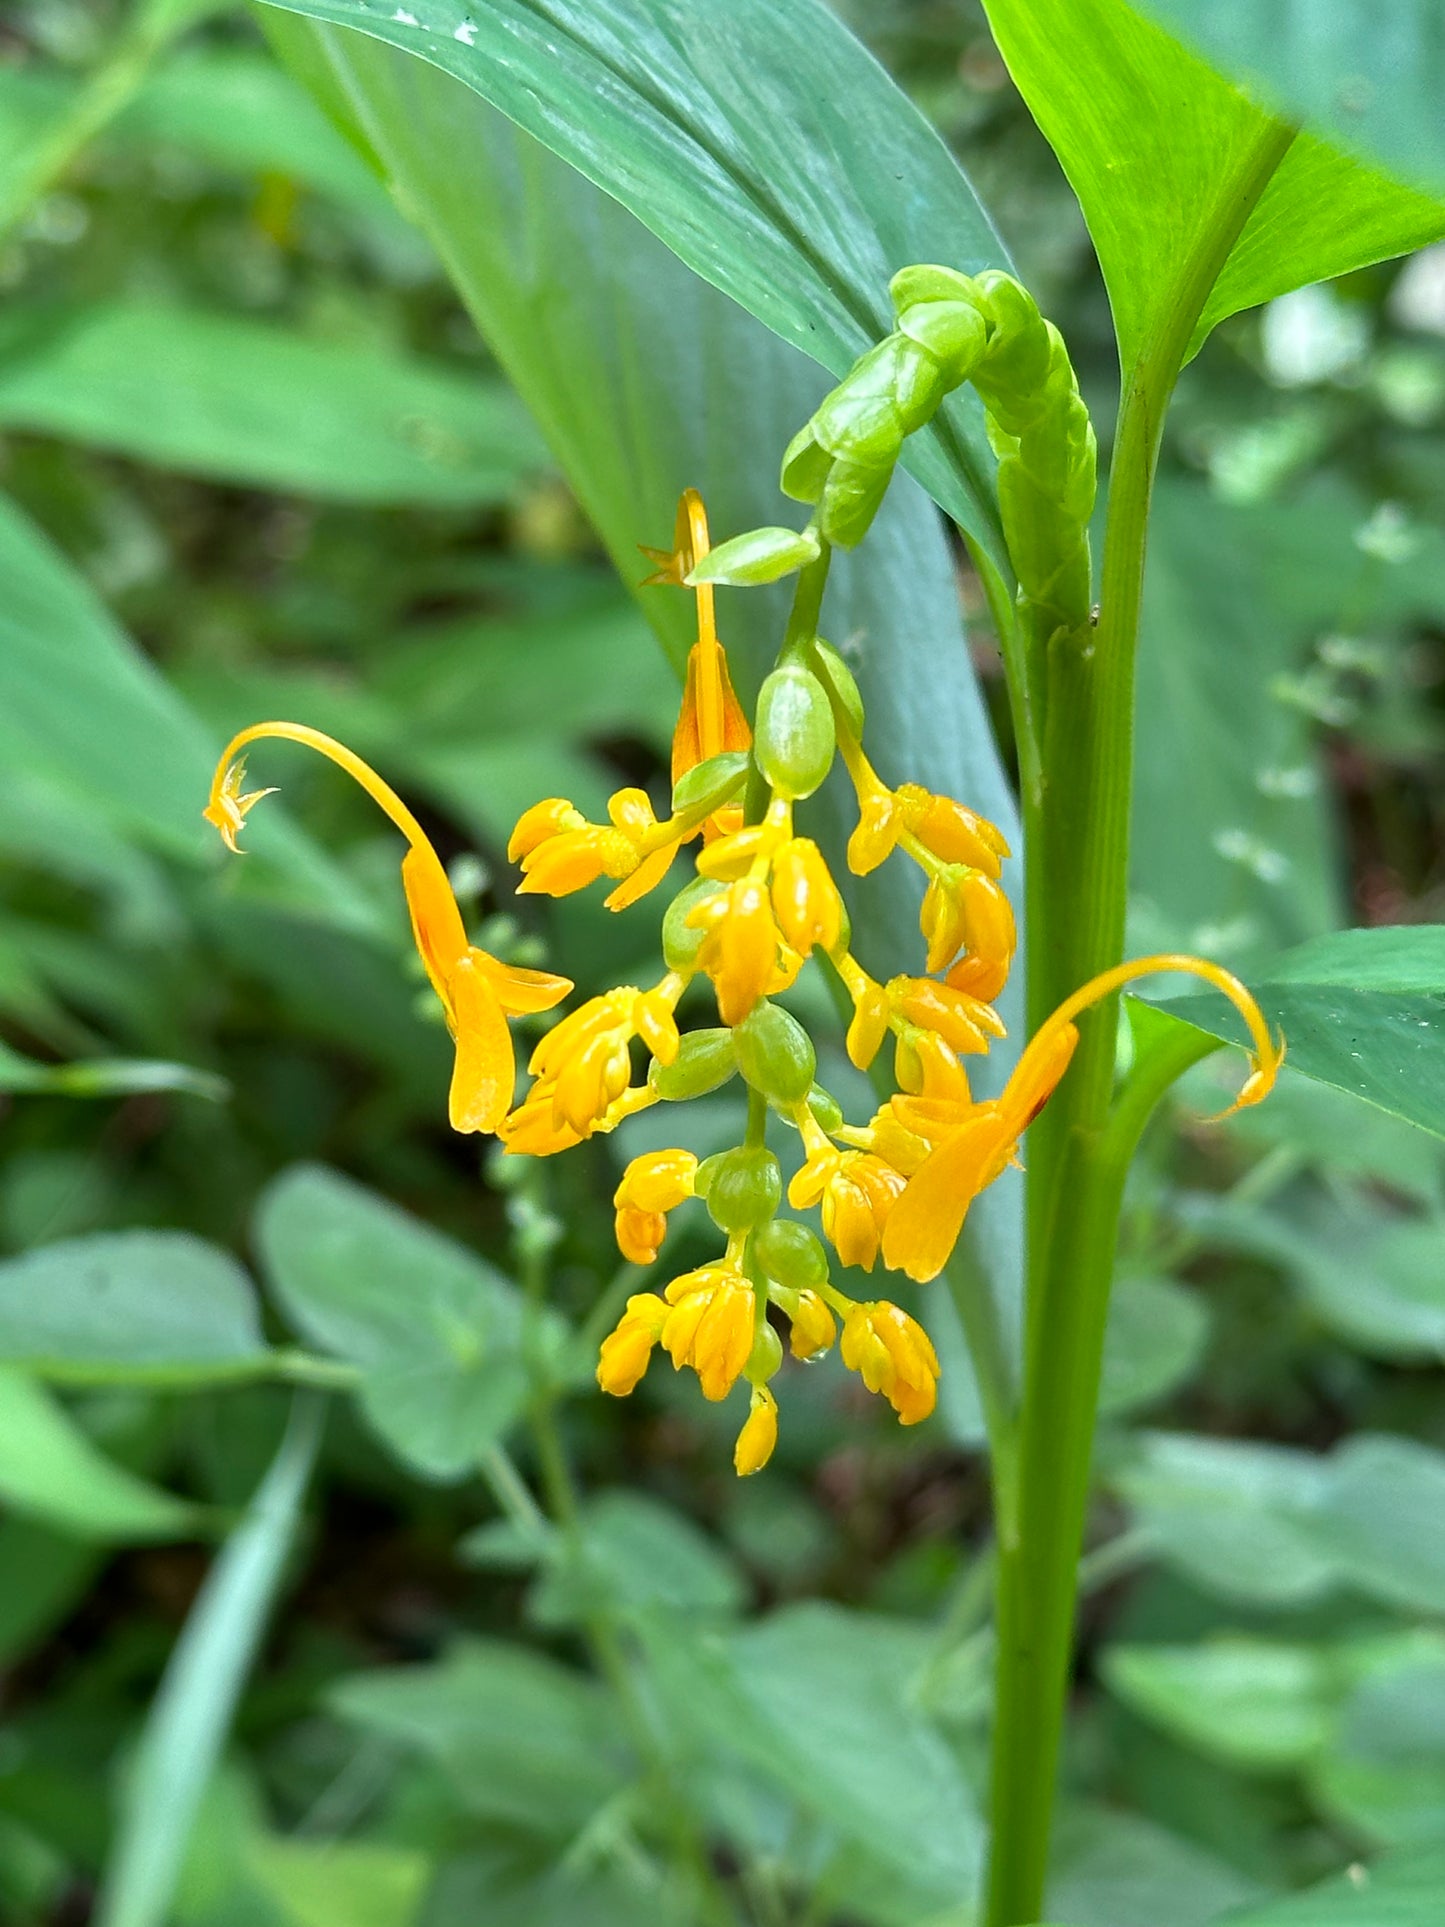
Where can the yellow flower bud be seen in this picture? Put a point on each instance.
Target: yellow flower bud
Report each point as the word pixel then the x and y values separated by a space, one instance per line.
pixel 893 1355
pixel 806 902
pixel 759 1434
pixel 813 1327
pixel 627 1350
pixel 546 819
pixel 710 1326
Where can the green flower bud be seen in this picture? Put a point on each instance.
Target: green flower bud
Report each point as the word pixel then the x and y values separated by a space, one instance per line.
pixel 705 1059
pixel 1038 532
pixel 953 332
pixel 805 466
pixel 826 1109
pixel 761 555
pixel 850 499
pixel 926 283
pixel 790 1254
pixel 680 944
pixel 741 1188
pixel 844 684
pixel 707 786
pixel 775 1053
pixel 765 1357
pixel 795 739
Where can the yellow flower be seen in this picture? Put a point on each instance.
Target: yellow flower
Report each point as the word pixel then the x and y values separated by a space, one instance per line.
pixel 711 719
pixel 560 851
pixel 759 1434
pixel 477 992
pixel 584 1066
pixel 627 1350
pixel 894 1355
pixel 964 1023
pixel 652 1185
pixel 812 1326
pixel 963 908
pixel 857 1191
pixel 741 948
pixel 806 902
pixel 711 1325
pixel 871 1011
pixel 973 1145
pixel 927 824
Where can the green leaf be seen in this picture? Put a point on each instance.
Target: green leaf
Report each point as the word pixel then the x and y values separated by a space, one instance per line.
pixel 107 1077
pixel 1384 1776
pixel 575 298
pixel 1366 75
pixel 1164 155
pixel 83 712
pixel 635 1555
pixel 1250 1703
pixel 1155 1338
pixel 1363 1010
pixel 50 1470
pixel 1240 858
pixel 238 401
pixel 525 1740
pixel 783 192
pixel 434 1329
pixel 193 1709
pixel 154 1307
pixel 1402 1890
pixel 1112 1869
pixel 316 1883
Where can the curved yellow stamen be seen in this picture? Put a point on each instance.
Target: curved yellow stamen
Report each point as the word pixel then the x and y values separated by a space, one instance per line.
pixel 693 542
pixel 1268 1052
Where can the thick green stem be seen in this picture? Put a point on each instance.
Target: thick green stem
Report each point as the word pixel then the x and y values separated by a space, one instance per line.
pixel 1077 852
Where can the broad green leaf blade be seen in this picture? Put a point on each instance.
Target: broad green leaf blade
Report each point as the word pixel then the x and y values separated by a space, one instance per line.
pixel 196 1702
pixel 1255 1704
pixel 107 1077
pixel 85 715
pixel 241 401
pixel 644 380
pixel 762 144
pixel 436 1331
pixel 154 1307
pixel 1363 1010
pixel 525 1740
pixel 1159 149
pixel 1369 73
pixel 1402 1890
pixel 50 1470
pixel 1113 1869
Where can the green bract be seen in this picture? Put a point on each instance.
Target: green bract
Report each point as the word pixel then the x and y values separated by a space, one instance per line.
pixel 705 1059
pixel 756 557
pixel 796 737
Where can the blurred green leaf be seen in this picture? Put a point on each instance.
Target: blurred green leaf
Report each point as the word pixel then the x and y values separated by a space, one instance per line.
pixel 634 1555
pixel 1402 1890
pixel 82 709
pixel 1364 74
pixel 525 1740
pixel 1384 1774
pixel 1252 1703
pixel 435 1330
pixel 1363 1010
pixel 50 1470
pixel 1157 146
pixel 783 191
pixel 1155 1338
pixel 196 1702
pixel 152 1307
pixel 238 401
pixel 320 1883
pixel 1112 1869
pixel 107 1077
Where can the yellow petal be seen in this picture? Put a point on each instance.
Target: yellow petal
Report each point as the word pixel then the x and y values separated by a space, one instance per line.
pixel 521 993
pixel 485 1069
pixel 924 1224
pixel 436 922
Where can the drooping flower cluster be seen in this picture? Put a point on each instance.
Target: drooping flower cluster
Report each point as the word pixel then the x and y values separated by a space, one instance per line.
pixel 761 905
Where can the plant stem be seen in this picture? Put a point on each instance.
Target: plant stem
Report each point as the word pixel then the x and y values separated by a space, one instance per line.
pixel 1077 849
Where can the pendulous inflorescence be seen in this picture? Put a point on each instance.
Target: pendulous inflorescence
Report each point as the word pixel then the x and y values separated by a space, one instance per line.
pixel 762 905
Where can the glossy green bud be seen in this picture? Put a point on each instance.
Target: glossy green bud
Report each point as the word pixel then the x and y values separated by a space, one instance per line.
pixel 1018 348
pixel 953 332
pixel 705 1059
pixel 775 1053
pixel 794 738
pixel 741 1188
pixel 805 466
pixel 759 556
pixel 680 944
pixel 707 786
pixel 1038 532
pixel 850 500
pixel 790 1254
pixel 843 682
pixel 924 282
pixel 826 1109
pixel 765 1357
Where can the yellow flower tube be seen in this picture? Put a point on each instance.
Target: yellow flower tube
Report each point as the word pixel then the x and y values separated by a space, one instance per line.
pixel 477 992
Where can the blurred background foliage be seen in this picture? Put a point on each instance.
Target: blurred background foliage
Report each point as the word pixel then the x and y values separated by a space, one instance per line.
pixel 255 1296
